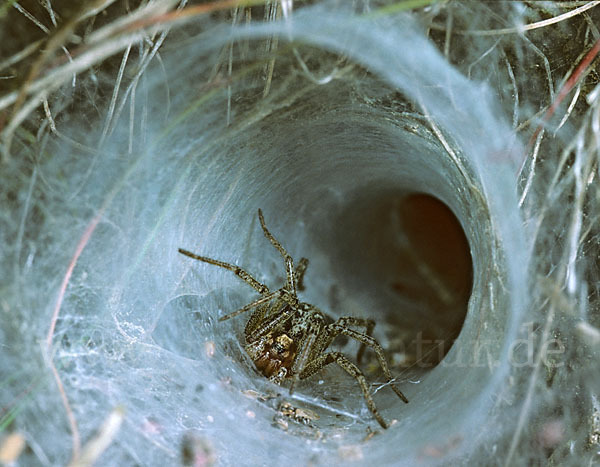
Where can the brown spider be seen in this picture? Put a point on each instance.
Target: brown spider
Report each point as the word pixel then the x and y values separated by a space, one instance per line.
pixel 288 339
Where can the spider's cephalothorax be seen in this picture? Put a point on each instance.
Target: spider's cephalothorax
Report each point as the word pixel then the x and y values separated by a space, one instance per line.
pixel 288 339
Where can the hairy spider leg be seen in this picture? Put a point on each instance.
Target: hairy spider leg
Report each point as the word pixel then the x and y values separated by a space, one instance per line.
pixel 300 270
pixel 302 358
pixel 368 324
pixel 255 303
pixel 242 274
pixel 259 314
pixel 246 277
pixel 339 358
pixel 313 340
pixel 277 307
pixel 336 328
pixel 289 263
pixel 278 319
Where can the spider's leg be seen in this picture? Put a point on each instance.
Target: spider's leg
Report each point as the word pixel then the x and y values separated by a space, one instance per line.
pixel 245 276
pixel 289 263
pixel 336 328
pixel 266 325
pixel 256 317
pixel 270 236
pixel 300 270
pixel 368 324
pixel 313 341
pixel 351 369
pixel 302 357
pixel 259 301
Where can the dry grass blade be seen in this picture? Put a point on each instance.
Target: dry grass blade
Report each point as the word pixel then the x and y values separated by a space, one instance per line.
pixel 525 27
pixel 94 448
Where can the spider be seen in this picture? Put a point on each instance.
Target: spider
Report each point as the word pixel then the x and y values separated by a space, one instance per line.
pixel 287 339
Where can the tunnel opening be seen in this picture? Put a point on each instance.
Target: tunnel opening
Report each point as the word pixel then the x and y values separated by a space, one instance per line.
pixel 435 270
pixel 404 260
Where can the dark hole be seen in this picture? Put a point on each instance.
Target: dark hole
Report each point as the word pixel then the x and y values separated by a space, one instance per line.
pixel 434 270
pixel 403 260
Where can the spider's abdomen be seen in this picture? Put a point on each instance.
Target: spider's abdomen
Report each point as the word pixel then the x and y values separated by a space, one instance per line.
pixel 272 354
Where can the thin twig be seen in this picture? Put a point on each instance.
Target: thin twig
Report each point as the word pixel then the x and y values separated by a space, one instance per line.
pixel 570 108
pixel 94 448
pixel 63 287
pixel 144 63
pixel 21 54
pixel 48 6
pixel 75 438
pixel 530 175
pixel 581 71
pixel 76 443
pixel 115 94
pixel 481 57
pixel 513 81
pixel 448 38
pixel 525 27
